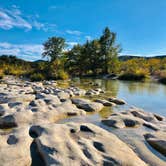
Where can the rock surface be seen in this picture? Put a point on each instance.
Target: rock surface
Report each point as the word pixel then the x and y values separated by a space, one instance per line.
pixel 83 144
pixel 87 105
pixel 29 134
pixel 142 131
pixel 105 102
pixel 116 101
pixel 157 141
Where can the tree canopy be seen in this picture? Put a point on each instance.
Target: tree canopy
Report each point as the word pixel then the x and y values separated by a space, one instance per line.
pixel 95 56
pixel 53 48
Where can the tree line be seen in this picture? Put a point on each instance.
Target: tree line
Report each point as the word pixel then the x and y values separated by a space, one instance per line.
pixel 95 57
pixel 98 56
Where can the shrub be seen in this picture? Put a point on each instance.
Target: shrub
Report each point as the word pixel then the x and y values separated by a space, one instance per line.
pixel 160 73
pixel 132 77
pixel 1 74
pixel 63 75
pixel 162 80
pixel 37 77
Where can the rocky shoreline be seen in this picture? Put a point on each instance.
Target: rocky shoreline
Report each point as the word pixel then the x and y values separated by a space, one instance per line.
pixel 29 134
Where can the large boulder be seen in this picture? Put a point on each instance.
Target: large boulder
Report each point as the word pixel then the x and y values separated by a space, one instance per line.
pixel 82 144
pixel 63 96
pixel 87 105
pixel 15 148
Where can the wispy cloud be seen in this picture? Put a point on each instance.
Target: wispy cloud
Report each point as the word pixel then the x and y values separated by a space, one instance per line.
pixel 159 53
pixel 14 18
pixel 25 51
pixel 50 27
pixel 73 32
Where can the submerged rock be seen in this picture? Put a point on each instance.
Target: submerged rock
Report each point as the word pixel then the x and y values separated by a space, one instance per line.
pixel 116 101
pixel 105 102
pixel 147 116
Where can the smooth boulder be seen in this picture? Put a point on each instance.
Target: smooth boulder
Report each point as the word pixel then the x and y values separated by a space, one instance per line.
pixel 87 105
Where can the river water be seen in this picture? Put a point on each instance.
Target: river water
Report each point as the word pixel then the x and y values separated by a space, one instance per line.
pixel 149 96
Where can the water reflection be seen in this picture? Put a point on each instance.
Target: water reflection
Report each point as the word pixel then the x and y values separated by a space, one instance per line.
pixel 149 96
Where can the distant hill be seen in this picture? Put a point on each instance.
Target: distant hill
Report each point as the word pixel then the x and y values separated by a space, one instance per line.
pixel 39 61
pixel 10 59
pixel 128 57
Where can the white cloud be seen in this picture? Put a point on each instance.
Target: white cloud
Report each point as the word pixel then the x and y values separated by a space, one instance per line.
pixel 13 18
pixel 25 51
pixel 143 54
pixel 38 25
pixel 73 32
pixel 71 43
pixel 88 37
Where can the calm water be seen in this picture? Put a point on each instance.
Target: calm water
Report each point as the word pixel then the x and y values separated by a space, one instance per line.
pixel 149 96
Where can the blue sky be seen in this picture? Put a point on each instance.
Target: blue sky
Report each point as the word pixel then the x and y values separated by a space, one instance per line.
pixel 24 25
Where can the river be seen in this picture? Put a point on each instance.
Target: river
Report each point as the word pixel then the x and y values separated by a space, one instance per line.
pixel 149 96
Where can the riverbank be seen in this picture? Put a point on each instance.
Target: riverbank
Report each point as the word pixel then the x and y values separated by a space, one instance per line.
pixel 31 132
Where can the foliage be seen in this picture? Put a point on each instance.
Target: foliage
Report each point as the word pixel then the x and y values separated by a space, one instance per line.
pixel 132 77
pixel 62 75
pixel 37 77
pixel 109 49
pixel 162 80
pixel 1 74
pixel 53 48
pixel 94 57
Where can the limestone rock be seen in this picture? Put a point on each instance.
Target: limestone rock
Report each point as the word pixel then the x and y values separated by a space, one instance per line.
pixel 7 122
pixel 82 144
pixel 15 148
pixel 63 96
pixel 116 101
pixel 122 120
pixel 147 116
pixel 87 105
pixel 105 102
pixel 157 141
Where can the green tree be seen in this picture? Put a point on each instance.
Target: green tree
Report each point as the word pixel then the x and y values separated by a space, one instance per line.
pixel 76 60
pixel 109 48
pixel 53 48
pixel 94 57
